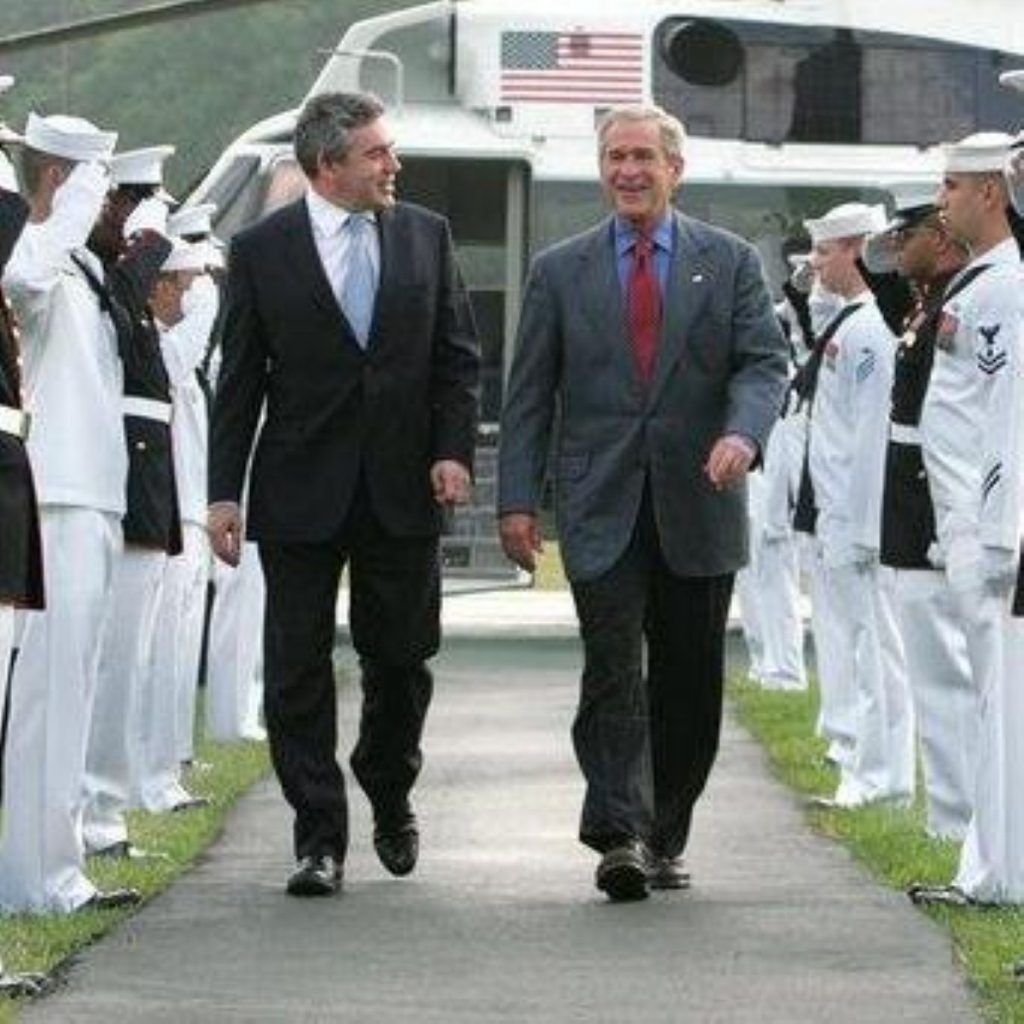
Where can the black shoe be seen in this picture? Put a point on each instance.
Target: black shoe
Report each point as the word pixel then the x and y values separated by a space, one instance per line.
pixel 666 872
pixel 622 872
pixel 190 803
pixel 111 899
pixel 124 850
pixel 315 876
pixel 938 896
pixel 397 847
pixel 21 986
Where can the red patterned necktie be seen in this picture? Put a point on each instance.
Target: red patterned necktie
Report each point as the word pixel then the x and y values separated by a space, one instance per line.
pixel 643 303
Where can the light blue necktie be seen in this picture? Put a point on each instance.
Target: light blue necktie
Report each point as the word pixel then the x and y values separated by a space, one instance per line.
pixel 359 288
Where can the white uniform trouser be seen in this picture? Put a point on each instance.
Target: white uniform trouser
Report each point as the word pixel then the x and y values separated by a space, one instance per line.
pixel 172 676
pixel 233 662
pixel 992 858
pixel 834 659
pixel 777 579
pixel 6 647
pixel 945 701
pixel 52 692
pixel 881 766
pixel 124 656
pixel 750 617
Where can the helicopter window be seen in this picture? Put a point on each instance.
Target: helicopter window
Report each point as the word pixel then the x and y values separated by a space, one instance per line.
pixel 776 83
pixel 424 50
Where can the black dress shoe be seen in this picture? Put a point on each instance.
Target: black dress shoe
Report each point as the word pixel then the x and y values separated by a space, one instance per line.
pixel 111 899
pixel 191 803
pixel 622 872
pixel 21 986
pixel 124 850
pixel 397 847
pixel 315 876
pixel 666 872
pixel 938 896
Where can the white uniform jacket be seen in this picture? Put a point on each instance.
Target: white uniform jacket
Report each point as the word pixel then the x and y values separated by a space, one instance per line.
pixel 183 347
pixel 72 373
pixel 971 423
pixel 849 433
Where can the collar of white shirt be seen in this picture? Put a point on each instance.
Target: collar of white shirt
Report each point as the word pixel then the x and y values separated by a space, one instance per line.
pixel 328 219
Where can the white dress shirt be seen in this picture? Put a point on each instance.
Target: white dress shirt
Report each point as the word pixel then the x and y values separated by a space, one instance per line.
pixel 332 241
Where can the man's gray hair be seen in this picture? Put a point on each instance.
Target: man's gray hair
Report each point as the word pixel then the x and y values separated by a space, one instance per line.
pixel 325 125
pixel 673 134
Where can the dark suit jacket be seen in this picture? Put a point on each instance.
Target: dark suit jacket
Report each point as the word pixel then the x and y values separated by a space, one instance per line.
pixel 21 564
pixel 720 368
pixel 333 411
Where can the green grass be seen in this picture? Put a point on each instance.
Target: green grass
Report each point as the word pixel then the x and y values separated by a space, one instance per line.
pixel 891 843
pixel 41 943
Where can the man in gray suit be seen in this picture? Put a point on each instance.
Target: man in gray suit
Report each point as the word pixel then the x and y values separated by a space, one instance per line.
pixel 653 336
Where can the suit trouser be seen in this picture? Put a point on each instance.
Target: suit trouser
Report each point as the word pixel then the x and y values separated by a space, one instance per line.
pixel 234 683
pixel 52 692
pixel 834 660
pixel 173 668
pixel 881 765
pixel 394 618
pixel 125 653
pixel 945 701
pixel 646 751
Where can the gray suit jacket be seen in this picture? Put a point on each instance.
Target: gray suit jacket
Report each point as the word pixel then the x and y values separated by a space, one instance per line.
pixel 720 368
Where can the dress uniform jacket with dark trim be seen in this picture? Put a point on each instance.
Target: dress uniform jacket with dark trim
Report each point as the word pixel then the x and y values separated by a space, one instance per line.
pixel 21 563
pixel 152 518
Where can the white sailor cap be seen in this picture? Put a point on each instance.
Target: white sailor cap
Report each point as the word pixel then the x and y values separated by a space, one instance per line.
pixel 186 256
pixel 72 138
pixel 6 134
pixel 849 220
pixel 142 167
pixel 192 220
pixel 978 153
pixel 1013 79
pixel 914 201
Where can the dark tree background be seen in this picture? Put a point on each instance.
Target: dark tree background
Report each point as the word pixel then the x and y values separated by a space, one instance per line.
pixel 196 83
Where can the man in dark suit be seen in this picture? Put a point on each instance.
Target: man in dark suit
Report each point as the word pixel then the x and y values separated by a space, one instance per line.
pixel 654 337
pixel 347 319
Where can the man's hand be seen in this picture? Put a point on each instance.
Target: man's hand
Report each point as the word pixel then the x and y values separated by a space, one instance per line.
pixel 450 482
pixel 729 461
pixel 520 539
pixel 224 525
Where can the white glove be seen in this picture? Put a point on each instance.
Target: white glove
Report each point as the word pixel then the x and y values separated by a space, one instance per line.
pixel 201 299
pixel 149 215
pixel 77 203
pixel 8 179
pixel 998 568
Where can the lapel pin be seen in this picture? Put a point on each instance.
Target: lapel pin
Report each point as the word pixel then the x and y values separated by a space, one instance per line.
pixel 697 278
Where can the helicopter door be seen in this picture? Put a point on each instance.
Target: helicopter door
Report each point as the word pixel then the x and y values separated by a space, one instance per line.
pixel 486 202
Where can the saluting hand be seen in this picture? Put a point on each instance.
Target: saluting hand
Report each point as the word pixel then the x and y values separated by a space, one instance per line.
pixel 224 525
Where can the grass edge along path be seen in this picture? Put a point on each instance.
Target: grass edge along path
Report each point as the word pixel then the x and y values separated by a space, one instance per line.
pixel 46 943
pixel 891 843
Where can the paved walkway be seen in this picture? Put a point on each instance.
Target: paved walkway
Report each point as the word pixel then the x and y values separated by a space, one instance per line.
pixel 500 923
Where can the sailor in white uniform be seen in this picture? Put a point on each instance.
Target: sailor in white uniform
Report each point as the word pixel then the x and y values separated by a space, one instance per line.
pixel 184 304
pixel 945 702
pixel 846 459
pixel 972 434
pixel 133 212
pixel 72 385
